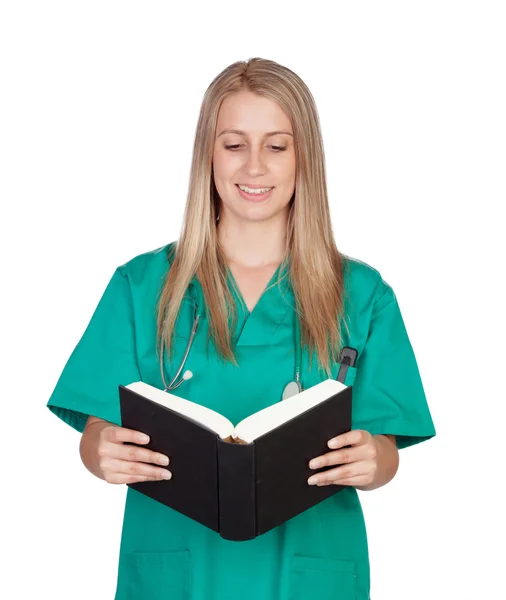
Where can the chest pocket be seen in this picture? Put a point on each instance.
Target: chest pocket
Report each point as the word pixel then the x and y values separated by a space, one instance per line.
pixel 313 377
pixel 322 578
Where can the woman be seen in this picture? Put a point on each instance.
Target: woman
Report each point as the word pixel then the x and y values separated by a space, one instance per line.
pixel 257 243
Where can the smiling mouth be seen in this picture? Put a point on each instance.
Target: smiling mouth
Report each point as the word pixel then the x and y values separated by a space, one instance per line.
pixel 255 187
pixel 255 196
pixel 266 188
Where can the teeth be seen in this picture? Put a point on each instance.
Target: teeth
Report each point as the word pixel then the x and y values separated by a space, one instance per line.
pixel 245 188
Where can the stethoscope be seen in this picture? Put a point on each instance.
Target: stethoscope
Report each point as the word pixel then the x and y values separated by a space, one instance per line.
pixel 291 388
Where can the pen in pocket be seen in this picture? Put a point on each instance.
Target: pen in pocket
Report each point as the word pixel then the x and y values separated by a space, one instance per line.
pixel 347 359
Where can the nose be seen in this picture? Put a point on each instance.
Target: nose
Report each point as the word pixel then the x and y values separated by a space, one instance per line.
pixel 255 165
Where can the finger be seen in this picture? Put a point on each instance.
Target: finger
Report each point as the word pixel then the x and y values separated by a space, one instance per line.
pixel 113 465
pixel 350 438
pixel 136 454
pixel 339 457
pixel 122 434
pixel 345 472
pixel 351 481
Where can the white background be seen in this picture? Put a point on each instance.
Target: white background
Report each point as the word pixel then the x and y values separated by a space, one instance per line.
pixel 99 104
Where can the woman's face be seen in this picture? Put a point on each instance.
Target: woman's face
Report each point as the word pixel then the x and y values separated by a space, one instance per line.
pixel 253 156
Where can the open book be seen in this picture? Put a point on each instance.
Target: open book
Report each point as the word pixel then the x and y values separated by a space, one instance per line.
pixel 239 481
pixel 251 427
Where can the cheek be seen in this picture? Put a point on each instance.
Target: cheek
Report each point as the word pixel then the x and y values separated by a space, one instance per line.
pixel 286 171
pixel 224 166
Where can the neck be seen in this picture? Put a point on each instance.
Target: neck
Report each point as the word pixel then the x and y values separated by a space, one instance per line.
pixel 253 244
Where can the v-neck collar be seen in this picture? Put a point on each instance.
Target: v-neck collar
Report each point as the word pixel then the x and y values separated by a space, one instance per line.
pixel 257 327
pixel 261 326
pixel 238 294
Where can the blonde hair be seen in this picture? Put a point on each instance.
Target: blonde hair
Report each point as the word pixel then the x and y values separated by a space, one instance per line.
pixel 315 266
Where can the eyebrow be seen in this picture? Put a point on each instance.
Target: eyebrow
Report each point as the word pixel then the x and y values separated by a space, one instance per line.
pixel 239 132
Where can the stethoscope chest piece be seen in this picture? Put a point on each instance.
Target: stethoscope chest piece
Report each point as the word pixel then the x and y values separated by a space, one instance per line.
pixel 291 389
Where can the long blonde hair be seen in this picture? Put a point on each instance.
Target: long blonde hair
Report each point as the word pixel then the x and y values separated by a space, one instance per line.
pixel 315 265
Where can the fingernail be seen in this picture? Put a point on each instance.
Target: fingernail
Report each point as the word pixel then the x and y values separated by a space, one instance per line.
pixel 166 474
pixel 312 480
pixel 314 464
pixel 164 460
pixel 333 444
pixel 144 438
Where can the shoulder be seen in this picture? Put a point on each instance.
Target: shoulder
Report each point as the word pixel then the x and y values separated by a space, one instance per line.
pixel 365 285
pixel 149 265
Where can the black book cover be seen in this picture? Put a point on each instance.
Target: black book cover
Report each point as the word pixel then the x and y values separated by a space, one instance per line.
pixel 238 490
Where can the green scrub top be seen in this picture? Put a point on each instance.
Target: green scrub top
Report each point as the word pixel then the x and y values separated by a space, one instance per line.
pixel 321 553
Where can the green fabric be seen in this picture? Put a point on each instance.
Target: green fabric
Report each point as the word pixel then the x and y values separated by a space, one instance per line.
pixel 321 553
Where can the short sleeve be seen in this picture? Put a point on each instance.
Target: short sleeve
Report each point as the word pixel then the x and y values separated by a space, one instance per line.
pixel 104 357
pixel 388 394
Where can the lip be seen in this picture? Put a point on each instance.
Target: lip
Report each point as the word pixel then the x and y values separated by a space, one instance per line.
pixel 254 197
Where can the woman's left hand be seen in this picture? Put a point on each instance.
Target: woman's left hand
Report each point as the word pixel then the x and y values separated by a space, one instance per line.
pixel 359 462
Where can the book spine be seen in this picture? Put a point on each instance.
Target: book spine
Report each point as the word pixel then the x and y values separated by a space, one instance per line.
pixel 236 490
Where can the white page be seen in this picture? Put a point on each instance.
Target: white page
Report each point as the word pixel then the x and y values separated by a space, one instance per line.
pixel 272 416
pixel 206 416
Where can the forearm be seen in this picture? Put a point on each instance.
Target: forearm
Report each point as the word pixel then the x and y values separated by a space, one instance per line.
pixel 387 460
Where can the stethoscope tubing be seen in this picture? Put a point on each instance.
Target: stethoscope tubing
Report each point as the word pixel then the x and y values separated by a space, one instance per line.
pixel 172 385
pixel 298 354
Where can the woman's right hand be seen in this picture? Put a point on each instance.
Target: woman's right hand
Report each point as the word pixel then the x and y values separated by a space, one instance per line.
pixel 105 454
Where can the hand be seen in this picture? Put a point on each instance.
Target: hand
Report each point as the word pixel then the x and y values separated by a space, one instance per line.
pixel 123 463
pixel 360 461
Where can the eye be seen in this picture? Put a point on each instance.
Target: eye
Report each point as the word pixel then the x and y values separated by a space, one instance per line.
pixel 236 146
